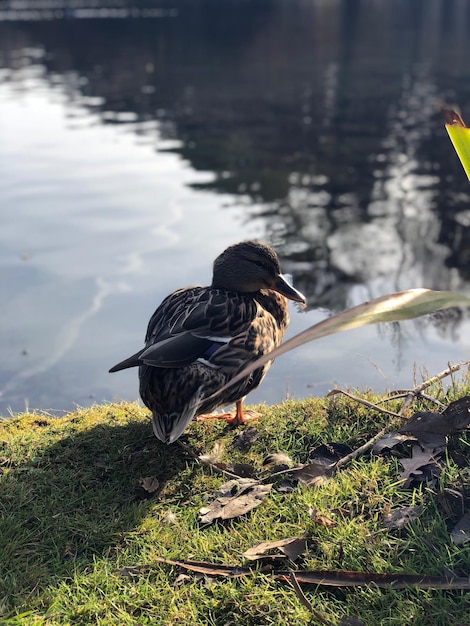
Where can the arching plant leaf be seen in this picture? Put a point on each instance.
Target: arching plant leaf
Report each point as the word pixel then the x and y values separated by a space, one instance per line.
pixel 394 307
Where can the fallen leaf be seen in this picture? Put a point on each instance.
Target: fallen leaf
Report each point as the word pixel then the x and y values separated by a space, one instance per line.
pixel 329 578
pixel 461 531
pixel 245 439
pixel 321 519
pixel 234 498
pixel 150 483
pixel 328 454
pixel 458 414
pixel 398 518
pixel 390 440
pixel 244 470
pixel 414 468
pixel 313 474
pixel 288 485
pixel 429 428
pixel 293 547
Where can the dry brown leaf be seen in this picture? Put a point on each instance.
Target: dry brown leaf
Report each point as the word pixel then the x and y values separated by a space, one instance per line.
pixel 429 428
pixel 398 518
pixel 328 454
pixel 244 470
pixel 313 474
pixel 421 466
pixel 150 483
pixel 330 578
pixel 321 519
pixel 234 498
pixel 390 440
pixel 245 439
pixel 458 414
pixel 292 548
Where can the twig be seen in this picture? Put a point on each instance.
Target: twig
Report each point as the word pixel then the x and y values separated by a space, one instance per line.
pixel 416 391
pixel 370 405
pixel 398 395
pixel 306 602
pixel 366 446
pixel 410 396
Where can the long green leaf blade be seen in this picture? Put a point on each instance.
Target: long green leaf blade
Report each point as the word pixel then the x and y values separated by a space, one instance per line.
pixel 394 307
pixel 460 137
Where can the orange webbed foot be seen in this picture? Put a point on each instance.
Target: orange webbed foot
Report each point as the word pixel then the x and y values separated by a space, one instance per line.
pixel 238 417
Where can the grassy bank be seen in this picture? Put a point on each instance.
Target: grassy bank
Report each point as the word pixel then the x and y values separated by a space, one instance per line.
pixel 87 496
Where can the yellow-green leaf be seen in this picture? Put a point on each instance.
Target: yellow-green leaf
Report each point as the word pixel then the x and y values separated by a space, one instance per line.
pixel 394 307
pixel 460 136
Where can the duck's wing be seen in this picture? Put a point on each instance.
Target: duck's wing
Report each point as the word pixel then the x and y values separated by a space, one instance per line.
pixel 192 324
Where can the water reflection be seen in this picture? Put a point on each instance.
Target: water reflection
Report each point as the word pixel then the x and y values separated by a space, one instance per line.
pixel 310 124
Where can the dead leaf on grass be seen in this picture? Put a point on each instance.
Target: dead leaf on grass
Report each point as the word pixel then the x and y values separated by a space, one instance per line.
pixel 233 499
pixel 458 414
pixel 292 548
pixel 429 428
pixel 150 483
pixel 422 466
pixel 321 519
pixel 328 454
pixel 461 531
pixel 244 470
pixel 288 485
pixel 331 578
pixel 390 440
pixel 313 474
pixel 432 428
pixel 168 518
pixel 398 518
pixel 245 439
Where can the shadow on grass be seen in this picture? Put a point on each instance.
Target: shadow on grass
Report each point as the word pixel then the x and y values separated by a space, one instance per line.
pixel 69 499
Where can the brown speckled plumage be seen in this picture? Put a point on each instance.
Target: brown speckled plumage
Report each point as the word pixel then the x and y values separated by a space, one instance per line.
pixel 200 337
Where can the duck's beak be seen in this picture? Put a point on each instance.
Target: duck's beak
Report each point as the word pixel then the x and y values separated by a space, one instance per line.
pixel 281 285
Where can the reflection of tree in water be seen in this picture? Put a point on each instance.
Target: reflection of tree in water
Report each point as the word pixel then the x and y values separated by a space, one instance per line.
pixel 318 118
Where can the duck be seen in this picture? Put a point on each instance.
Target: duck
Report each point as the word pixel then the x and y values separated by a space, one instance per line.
pixel 201 337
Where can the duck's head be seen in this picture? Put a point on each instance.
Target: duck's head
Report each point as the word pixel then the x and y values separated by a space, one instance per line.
pixel 250 266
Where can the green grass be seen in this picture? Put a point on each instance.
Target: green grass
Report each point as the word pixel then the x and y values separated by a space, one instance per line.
pixel 73 512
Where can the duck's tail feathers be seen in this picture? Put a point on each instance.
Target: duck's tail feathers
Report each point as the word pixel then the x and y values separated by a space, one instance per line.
pixel 170 426
pixel 132 361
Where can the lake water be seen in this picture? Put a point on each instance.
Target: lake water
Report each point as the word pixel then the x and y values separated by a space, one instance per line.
pixel 138 140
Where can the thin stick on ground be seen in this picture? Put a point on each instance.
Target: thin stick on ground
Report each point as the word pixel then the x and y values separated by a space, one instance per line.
pixel 410 397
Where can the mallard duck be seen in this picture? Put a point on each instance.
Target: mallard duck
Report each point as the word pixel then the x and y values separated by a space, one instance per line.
pixel 200 337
